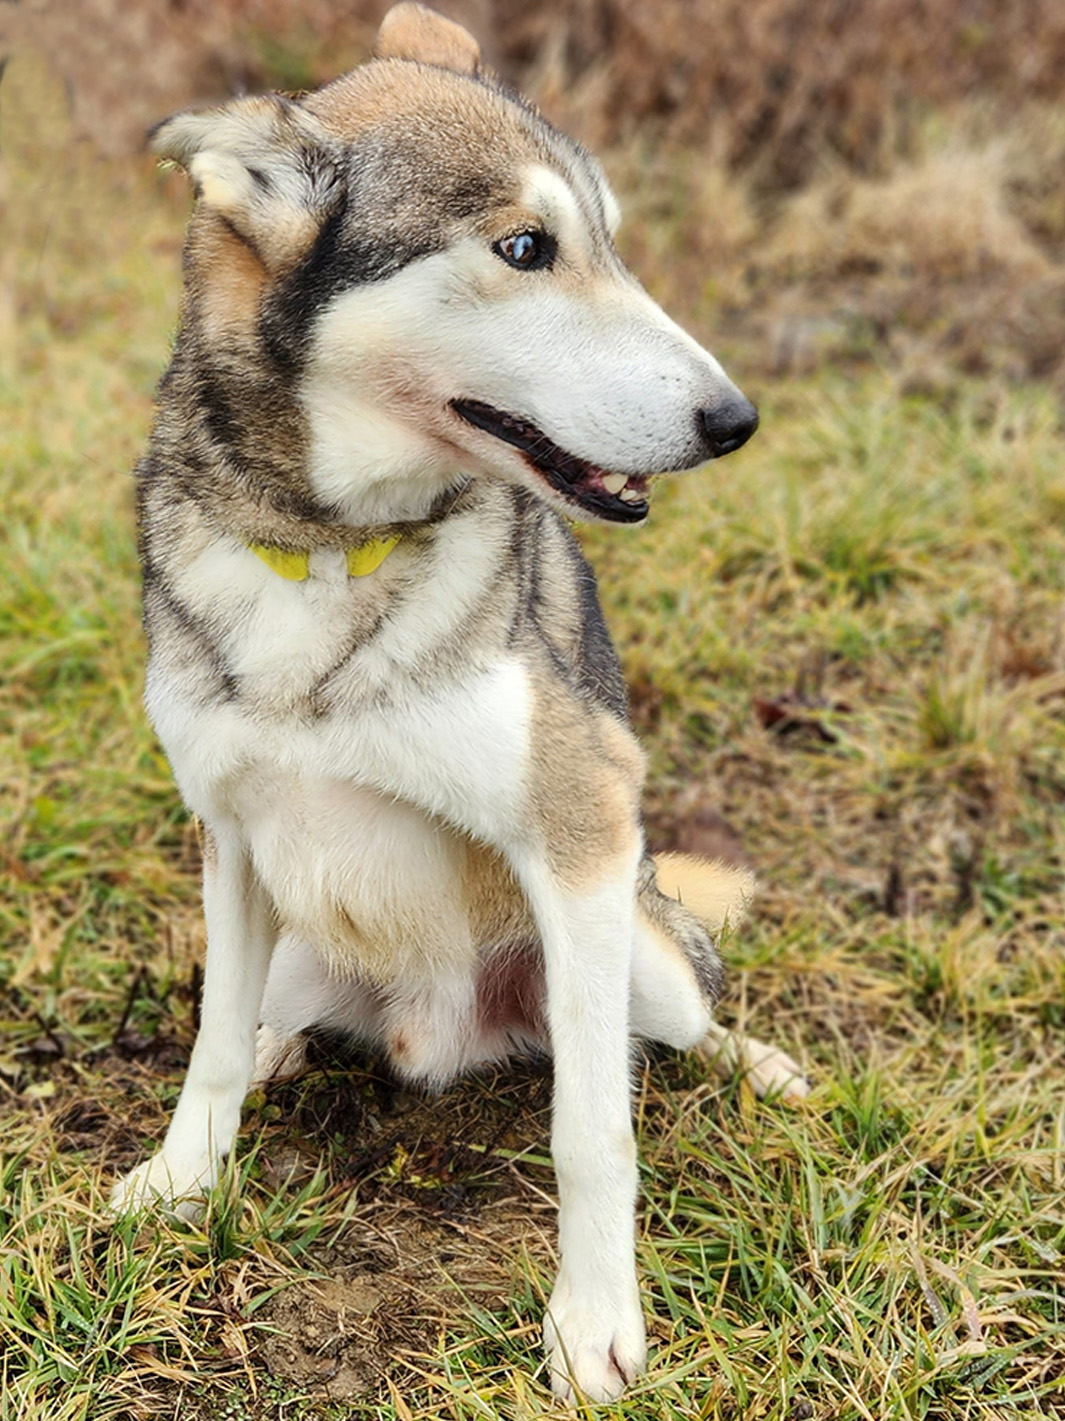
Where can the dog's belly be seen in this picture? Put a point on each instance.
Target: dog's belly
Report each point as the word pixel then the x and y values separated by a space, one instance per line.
pixel 377 886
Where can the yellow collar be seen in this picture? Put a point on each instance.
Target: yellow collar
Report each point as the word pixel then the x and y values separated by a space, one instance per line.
pixel 296 567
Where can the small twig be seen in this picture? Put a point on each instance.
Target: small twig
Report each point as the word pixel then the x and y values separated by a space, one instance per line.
pixel 50 1034
pixel 131 997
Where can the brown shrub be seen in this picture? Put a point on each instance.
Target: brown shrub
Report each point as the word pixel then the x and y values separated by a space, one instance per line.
pixel 939 243
pixel 944 217
pixel 766 83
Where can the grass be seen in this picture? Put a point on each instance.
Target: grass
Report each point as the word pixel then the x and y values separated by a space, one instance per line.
pixel 883 564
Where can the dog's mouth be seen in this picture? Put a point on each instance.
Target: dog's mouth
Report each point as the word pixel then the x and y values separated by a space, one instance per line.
pixel 620 498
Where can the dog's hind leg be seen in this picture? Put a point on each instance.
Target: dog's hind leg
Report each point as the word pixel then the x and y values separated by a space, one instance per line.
pixel 241 934
pixel 303 992
pixel 677 976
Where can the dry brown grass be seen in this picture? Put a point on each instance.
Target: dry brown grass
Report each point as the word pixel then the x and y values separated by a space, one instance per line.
pixel 944 217
pixel 773 84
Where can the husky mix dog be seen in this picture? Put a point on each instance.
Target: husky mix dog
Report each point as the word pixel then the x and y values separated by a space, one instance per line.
pixel 408 353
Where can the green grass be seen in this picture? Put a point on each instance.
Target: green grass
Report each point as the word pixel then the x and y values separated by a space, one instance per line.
pixel 893 1249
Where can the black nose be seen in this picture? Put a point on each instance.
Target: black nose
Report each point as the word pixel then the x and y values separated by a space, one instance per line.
pixel 728 427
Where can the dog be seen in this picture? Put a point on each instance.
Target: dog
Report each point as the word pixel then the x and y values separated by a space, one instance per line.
pixel 408 353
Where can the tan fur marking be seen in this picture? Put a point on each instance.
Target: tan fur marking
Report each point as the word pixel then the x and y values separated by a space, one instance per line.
pixel 391 91
pixel 586 779
pixel 412 31
pixel 493 900
pixel 290 237
pixel 231 281
pixel 381 946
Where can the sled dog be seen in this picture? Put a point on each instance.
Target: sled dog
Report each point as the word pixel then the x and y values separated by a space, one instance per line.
pixel 408 353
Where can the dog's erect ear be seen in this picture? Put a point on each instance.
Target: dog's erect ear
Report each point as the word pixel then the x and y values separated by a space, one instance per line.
pixel 412 31
pixel 264 164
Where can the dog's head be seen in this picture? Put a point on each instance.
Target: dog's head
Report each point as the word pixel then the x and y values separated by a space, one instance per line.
pixel 431 267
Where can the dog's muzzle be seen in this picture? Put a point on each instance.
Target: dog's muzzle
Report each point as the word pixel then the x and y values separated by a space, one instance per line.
pixel 599 492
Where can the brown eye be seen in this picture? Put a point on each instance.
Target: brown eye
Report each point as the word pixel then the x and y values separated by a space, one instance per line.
pixel 527 251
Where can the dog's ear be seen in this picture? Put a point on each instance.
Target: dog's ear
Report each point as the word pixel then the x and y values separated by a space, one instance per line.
pixel 415 32
pixel 264 164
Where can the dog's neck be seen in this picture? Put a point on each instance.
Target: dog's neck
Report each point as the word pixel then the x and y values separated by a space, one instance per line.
pixel 247 466
pixel 366 551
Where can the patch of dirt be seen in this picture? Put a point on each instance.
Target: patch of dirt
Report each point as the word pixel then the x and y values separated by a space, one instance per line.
pixel 443 1216
pixel 123 1110
pixel 420 1144
pixel 392 1282
pixel 452 1194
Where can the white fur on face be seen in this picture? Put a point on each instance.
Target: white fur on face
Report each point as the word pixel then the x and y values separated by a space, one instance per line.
pixel 581 351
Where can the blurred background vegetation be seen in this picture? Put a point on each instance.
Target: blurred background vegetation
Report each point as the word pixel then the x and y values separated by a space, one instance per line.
pixel 846 654
pixel 885 171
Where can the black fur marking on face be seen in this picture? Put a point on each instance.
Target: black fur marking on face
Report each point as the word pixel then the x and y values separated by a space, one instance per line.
pixel 578 481
pixel 389 205
pixel 342 257
pixel 471 196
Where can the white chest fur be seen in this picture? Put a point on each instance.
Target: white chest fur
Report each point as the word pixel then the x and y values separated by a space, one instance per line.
pixel 326 802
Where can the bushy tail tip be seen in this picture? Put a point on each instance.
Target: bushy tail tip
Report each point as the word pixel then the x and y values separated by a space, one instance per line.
pixel 715 892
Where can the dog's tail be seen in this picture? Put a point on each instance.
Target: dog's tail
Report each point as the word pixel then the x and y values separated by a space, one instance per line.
pixel 716 892
pixel 719 895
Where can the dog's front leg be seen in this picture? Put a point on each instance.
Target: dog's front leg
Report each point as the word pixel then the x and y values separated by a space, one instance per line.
pixel 240 939
pixel 524 767
pixel 593 1331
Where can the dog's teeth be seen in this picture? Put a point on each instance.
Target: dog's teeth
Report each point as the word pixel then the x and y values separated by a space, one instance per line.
pixel 614 483
pixel 631 495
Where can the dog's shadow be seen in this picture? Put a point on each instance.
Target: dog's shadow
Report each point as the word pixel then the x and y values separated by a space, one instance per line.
pixel 447 1151
pixel 450 1152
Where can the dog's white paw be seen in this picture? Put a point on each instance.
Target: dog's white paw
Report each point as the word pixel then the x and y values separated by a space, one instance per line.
pixel 767 1070
pixel 160 1184
pixel 594 1349
pixel 775 1073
